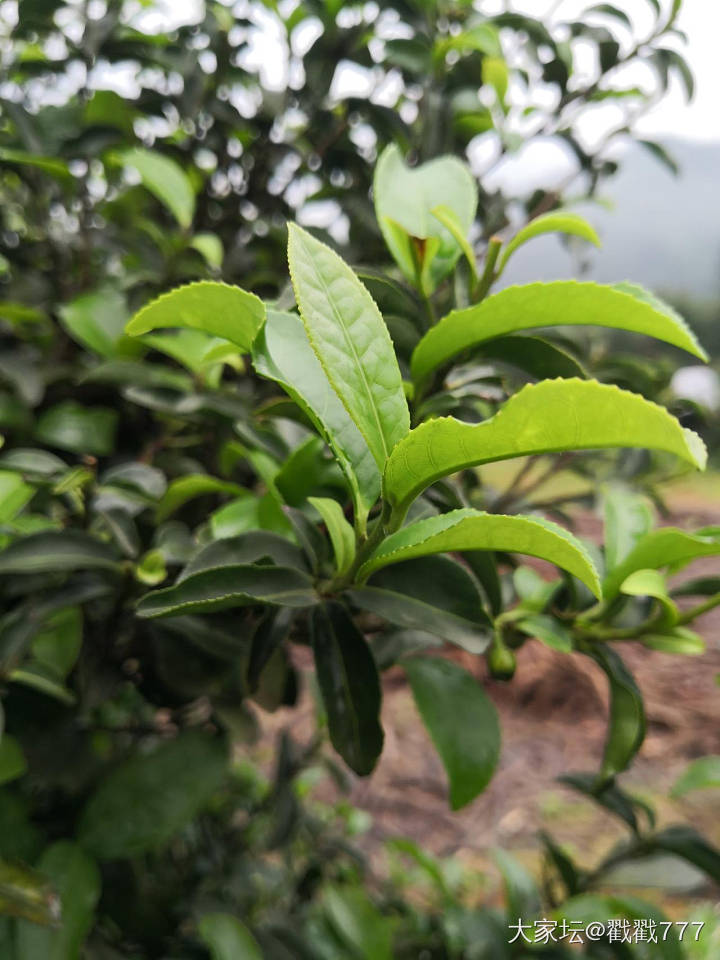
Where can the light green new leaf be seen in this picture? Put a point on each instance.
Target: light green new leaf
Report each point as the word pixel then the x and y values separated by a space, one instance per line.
pixel 545 417
pixel 76 878
pixel 449 219
pixel 560 303
pixel 461 721
pixel 14 494
pixel 557 222
pixel 282 352
pixel 548 630
pixel 666 547
pixel 349 336
pixel 187 488
pixel 215 308
pixel 143 802
pixel 679 641
pixel 628 518
pixel 341 533
pixel 210 246
pixel 222 588
pixel 701 774
pixel 473 530
pixel 651 583
pixel 165 179
pixel 366 932
pixel 228 938
pixel 405 198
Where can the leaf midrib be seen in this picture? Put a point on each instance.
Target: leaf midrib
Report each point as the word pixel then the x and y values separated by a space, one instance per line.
pixel 349 342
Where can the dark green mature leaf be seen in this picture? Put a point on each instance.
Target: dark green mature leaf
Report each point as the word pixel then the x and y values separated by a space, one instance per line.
pixel 350 687
pixel 350 338
pixel 404 202
pixel 541 418
pixel 667 546
pixel 70 426
pixel 12 760
pixel 282 352
pixel 222 588
pixel 691 846
pixel 227 938
pixel 538 357
pixel 76 878
pixel 461 721
pixel 216 308
pixel 252 547
pixel 57 552
pixel 145 801
pixel 97 320
pixel 626 728
pixel 562 302
pixel 165 179
pixel 433 594
pixel 610 796
pixel 472 530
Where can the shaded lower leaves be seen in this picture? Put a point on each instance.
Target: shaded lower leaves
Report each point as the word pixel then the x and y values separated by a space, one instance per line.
pixel 350 686
pixel 462 722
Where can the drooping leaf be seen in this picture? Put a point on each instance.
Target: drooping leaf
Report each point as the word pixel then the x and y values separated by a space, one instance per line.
pixel 545 417
pixel 226 587
pixel 665 547
pixel 282 352
pixel 404 200
pixel 141 804
pixel 216 308
pixel 76 879
pixel 350 687
pixel 227 938
pixel 626 727
pixel 468 529
pixel 566 223
pixel 57 552
pixel 165 179
pixel 534 355
pixel 433 594
pixel 349 336
pixel 340 531
pixel 71 426
pixel 560 303
pixel 701 774
pixel 461 721
pixel 685 842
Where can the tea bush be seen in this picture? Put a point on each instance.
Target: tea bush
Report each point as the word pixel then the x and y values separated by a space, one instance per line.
pixel 191 493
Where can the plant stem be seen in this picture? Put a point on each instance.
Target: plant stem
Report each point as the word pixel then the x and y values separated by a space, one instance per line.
pixel 488 275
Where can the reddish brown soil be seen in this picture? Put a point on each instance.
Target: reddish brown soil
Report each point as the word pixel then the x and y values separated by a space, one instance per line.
pixel 553 717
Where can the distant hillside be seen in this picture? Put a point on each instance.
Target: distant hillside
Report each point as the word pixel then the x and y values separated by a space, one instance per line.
pixel 663 232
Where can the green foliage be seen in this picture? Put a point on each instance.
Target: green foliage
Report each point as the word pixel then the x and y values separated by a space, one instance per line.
pixel 176 520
